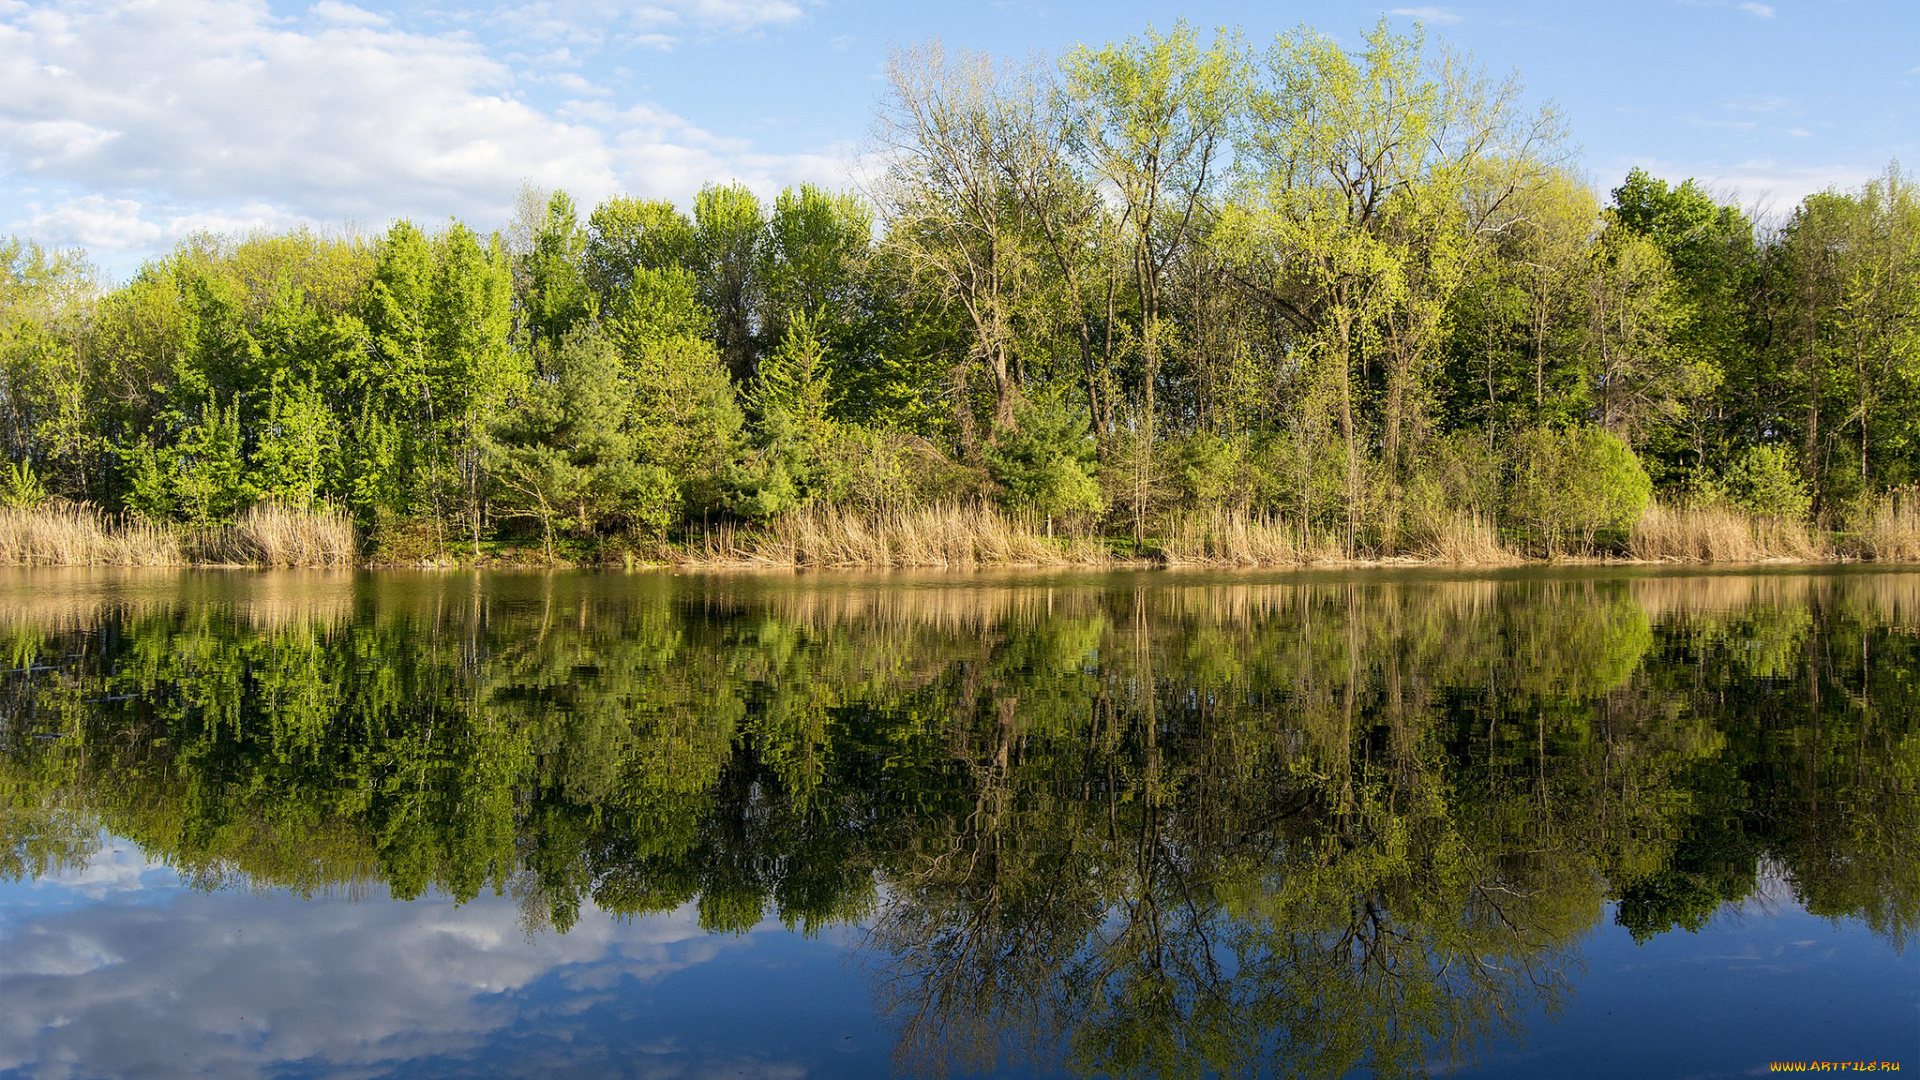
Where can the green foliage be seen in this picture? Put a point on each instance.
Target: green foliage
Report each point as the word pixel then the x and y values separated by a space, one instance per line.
pixel 686 418
pixel 20 488
pixel 795 433
pixel 1565 486
pixel 557 295
pixel 730 267
pixel 1458 476
pixel 1214 471
pixel 1765 481
pixel 205 471
pixel 1047 462
pixel 625 236
pixel 567 455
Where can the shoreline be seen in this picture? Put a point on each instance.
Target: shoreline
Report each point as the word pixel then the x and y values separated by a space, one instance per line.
pixel 946 538
pixel 1394 562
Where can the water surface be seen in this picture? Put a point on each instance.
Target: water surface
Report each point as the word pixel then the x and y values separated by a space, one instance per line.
pixel 1579 824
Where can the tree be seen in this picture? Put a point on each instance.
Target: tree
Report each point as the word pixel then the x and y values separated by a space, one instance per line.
pixel 1368 181
pixel 556 294
pixel 1712 251
pixel 793 400
pixel 1151 116
pixel 474 365
pixel 566 455
pixel 1046 461
pixel 1642 382
pixel 730 269
pixel 951 213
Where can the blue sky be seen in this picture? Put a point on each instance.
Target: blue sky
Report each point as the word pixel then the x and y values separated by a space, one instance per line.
pixel 128 124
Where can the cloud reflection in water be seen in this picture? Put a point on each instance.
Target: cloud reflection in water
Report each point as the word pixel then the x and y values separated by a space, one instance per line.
pixel 144 977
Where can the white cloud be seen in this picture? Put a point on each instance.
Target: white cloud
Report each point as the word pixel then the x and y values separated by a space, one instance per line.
pixel 1766 104
pixel 116 867
pixel 150 119
pixel 660 24
pixel 237 985
pixel 1763 11
pixel 348 15
pixel 1767 187
pixel 1428 14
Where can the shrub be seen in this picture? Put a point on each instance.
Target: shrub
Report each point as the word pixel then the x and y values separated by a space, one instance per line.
pixel 1764 481
pixel 1046 462
pixel 1567 485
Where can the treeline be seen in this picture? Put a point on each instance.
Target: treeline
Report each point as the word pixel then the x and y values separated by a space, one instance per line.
pixel 1356 293
pixel 1158 828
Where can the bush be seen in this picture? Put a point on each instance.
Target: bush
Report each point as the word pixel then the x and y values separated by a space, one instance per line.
pixel 1765 482
pixel 1046 462
pixel 1565 486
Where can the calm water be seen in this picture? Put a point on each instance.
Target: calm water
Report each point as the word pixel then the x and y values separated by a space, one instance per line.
pixel 1597 824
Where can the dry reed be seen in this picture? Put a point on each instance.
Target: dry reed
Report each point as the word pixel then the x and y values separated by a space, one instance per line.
pixel 1464 540
pixel 77 534
pixel 1235 538
pixel 1718 534
pixel 271 534
pixel 936 536
pixel 1892 534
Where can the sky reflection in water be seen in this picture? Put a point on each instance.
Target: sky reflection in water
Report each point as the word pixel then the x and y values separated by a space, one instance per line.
pixel 1562 826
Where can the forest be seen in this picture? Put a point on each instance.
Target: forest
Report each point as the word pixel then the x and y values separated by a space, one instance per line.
pixel 1178 297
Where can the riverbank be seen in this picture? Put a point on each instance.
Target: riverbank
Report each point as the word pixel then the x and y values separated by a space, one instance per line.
pixel 76 534
pixel 957 537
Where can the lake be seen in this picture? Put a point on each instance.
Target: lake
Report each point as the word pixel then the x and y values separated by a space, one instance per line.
pixel 1593 822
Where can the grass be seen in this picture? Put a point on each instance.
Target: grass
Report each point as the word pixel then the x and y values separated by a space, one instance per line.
pixel 1464 540
pixel 271 534
pixel 77 534
pixel 951 536
pixel 1892 533
pixel 947 537
pixel 1236 538
pixel 1719 534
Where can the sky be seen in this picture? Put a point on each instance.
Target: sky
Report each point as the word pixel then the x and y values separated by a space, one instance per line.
pixel 127 125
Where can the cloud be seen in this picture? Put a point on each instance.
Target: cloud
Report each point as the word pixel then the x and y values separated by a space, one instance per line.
pixel 1768 187
pixel 347 15
pixel 1763 11
pixel 1767 104
pixel 1428 14
pixel 657 24
pixel 208 101
pixel 117 868
pixel 124 123
pixel 240 985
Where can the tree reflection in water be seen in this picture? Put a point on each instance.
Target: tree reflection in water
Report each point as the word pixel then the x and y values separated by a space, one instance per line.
pixel 1149 825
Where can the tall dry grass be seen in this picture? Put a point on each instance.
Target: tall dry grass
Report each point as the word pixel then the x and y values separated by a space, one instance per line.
pixel 1236 538
pixel 1718 534
pixel 77 534
pixel 1464 540
pixel 1892 534
pixel 952 536
pixel 272 534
